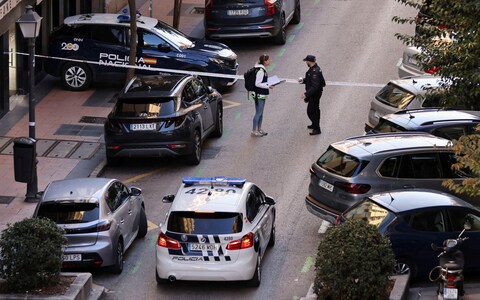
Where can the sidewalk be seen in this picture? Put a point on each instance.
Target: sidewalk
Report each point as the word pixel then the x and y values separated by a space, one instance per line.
pixel 69 125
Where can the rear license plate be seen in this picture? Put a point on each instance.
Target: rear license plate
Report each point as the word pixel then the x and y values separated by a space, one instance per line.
pixel 72 257
pixel 449 293
pixel 237 12
pixel 326 185
pixel 201 247
pixel 147 126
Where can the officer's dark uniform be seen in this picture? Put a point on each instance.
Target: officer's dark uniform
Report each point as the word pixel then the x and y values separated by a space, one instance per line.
pixel 314 83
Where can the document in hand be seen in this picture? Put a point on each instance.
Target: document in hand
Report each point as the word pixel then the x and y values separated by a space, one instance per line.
pixel 274 80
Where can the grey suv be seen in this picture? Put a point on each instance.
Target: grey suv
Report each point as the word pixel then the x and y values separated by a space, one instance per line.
pixel 359 166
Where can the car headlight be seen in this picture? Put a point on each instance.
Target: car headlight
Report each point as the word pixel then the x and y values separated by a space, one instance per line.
pixel 217 61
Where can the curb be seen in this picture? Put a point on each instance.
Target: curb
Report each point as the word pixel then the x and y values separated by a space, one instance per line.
pixel 80 289
pixel 310 294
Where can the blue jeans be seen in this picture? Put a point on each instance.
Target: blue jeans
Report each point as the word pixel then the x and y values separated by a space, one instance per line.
pixel 257 119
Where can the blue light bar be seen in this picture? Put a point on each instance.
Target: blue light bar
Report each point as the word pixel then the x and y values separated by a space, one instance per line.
pixel 218 180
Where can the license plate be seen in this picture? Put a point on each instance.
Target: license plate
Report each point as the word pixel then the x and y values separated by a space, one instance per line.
pixel 146 126
pixel 238 12
pixel 72 257
pixel 326 185
pixel 449 293
pixel 201 247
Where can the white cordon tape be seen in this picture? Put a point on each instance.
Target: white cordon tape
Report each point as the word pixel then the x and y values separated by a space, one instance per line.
pixel 208 74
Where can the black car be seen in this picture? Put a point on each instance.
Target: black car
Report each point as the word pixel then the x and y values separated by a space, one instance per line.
pixel 161 116
pixel 449 124
pixel 104 40
pixel 414 219
pixel 254 18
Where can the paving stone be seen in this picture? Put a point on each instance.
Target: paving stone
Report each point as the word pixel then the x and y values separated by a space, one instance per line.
pixel 63 149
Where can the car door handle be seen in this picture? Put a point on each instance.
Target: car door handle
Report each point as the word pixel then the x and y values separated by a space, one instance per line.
pixel 122 221
pixel 130 212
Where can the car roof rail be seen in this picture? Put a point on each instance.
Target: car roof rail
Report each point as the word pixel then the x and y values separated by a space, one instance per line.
pixel 399 133
pixel 214 181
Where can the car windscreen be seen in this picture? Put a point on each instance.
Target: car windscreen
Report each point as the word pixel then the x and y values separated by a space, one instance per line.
pixel 394 96
pixel 341 163
pixel 370 212
pixel 172 35
pixel 63 213
pixel 144 108
pixel 385 126
pixel 204 223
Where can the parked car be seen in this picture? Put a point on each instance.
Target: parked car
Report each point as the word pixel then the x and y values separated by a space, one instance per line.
pixel 217 229
pixel 449 124
pixel 409 66
pixel 360 166
pixel 414 219
pixel 162 116
pixel 401 94
pixel 104 40
pixel 101 218
pixel 255 18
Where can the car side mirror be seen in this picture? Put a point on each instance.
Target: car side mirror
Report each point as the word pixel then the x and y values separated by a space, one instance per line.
pixel 164 48
pixel 168 199
pixel 134 191
pixel 269 200
pixel 210 90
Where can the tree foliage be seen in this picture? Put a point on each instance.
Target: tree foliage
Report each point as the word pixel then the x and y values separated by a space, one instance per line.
pixel 449 39
pixel 354 261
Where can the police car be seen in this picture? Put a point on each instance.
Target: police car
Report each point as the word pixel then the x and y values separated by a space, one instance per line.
pixel 217 229
pixel 105 40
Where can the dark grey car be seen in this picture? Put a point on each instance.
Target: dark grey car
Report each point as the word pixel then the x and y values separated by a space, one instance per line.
pixel 101 218
pixel 253 18
pixel 359 166
pixel 163 116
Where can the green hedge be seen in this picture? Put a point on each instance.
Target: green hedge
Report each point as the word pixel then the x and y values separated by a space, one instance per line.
pixel 353 262
pixel 31 254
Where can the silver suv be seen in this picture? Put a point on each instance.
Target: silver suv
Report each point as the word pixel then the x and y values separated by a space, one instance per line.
pixel 359 166
pixel 402 94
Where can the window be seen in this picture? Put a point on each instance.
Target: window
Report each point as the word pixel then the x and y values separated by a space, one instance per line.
pixel 145 108
pixel 204 223
pixel 188 94
pixel 69 213
pixel 430 221
pixel 149 40
pixel 198 88
pixel 385 126
pixel 371 212
pixel 454 132
pixel 395 96
pixel 116 195
pixel 109 35
pixel 389 167
pixel 341 163
pixel 252 207
pixel 420 165
pixel 460 217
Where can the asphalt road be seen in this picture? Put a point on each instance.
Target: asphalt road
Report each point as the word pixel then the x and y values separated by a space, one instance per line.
pixel 355 47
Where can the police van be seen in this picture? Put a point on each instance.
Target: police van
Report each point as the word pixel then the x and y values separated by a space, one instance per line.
pixel 217 229
pixel 92 46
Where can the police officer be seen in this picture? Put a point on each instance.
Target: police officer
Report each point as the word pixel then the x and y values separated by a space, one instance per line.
pixel 314 84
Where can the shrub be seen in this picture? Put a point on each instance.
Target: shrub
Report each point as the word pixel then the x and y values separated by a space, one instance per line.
pixel 353 262
pixel 31 254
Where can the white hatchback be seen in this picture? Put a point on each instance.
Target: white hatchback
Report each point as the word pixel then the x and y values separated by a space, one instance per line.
pixel 217 229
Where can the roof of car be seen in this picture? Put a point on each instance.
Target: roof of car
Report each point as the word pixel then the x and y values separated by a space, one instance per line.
pixel 411 119
pixel 417 85
pixel 400 201
pixel 210 198
pixel 81 189
pixel 99 18
pixel 367 145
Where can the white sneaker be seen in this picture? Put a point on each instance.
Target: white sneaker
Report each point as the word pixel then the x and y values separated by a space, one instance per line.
pixel 262 132
pixel 256 134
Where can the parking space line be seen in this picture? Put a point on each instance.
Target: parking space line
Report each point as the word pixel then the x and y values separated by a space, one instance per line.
pixel 230 104
pixel 290 38
pixel 135 178
pixel 309 262
pixel 281 52
pixel 199 172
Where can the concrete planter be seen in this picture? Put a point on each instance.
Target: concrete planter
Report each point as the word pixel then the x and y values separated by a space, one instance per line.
pixel 80 289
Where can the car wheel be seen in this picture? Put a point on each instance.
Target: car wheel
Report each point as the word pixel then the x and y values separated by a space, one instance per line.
pixel 403 267
pixel 117 268
pixel 281 37
pixel 195 157
pixel 160 280
pixel 113 161
pixel 297 14
pixel 218 131
pixel 271 241
pixel 143 226
pixel 257 276
pixel 76 76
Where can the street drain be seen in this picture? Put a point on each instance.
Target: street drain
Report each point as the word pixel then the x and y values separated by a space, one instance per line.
pixel 198 11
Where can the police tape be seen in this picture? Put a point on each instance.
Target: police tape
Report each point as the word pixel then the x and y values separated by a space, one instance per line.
pixel 188 72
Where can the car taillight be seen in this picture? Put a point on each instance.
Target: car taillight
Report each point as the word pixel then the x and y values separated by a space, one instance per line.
pixel 104 226
pixel 270 7
pixel 177 121
pixel 337 220
pixel 432 70
pixel 245 242
pixel 165 241
pixel 208 7
pixel 353 188
pixel 312 171
pixel 450 280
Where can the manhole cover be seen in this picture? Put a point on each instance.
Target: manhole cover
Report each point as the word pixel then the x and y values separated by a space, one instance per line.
pixel 6 199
